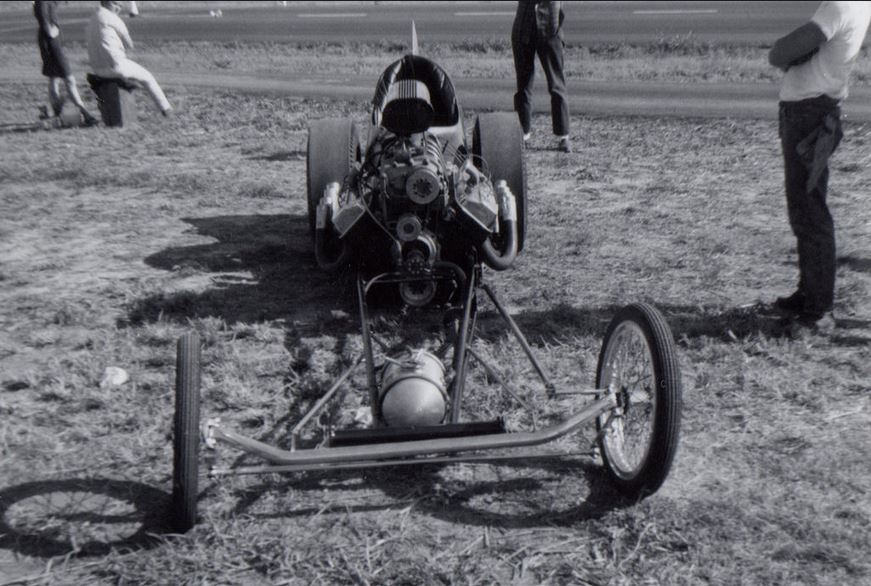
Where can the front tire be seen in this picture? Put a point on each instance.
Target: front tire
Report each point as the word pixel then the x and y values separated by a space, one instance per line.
pixel 639 438
pixel 186 430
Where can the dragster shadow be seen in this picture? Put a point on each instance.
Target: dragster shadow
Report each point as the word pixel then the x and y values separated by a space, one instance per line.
pixel 457 500
pixel 728 324
pixel 261 267
pixel 686 321
pixel 82 517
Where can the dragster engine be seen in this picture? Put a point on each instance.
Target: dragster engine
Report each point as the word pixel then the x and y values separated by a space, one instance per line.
pixel 408 203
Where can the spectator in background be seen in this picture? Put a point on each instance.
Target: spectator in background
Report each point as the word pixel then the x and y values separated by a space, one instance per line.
pixel 817 58
pixel 54 63
pixel 108 42
pixel 537 30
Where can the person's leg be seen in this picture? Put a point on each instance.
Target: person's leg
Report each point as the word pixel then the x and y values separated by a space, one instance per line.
pixel 524 66
pixel 133 71
pixel 550 53
pixel 54 96
pixel 809 216
pixel 73 92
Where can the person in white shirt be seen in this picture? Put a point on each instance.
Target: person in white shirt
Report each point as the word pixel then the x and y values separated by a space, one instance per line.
pixel 817 58
pixel 108 42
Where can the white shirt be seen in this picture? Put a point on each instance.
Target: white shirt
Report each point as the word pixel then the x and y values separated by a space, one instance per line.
pixel 108 39
pixel 844 25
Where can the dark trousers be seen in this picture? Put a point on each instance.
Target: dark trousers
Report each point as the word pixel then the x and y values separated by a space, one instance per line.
pixel 809 215
pixel 550 54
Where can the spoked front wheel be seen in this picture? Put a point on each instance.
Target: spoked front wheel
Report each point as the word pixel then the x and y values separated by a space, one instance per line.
pixel 186 433
pixel 639 437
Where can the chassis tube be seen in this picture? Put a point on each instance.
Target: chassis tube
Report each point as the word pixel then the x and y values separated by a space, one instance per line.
pixel 521 339
pixel 374 399
pixel 469 458
pixel 460 351
pixel 321 403
pixel 414 448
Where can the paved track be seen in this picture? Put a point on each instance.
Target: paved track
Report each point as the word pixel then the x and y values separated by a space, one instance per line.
pixel 743 23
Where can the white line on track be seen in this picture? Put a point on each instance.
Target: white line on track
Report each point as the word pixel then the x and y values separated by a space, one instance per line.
pixel 16 29
pixel 678 11
pixel 33 26
pixel 331 15
pixel 483 14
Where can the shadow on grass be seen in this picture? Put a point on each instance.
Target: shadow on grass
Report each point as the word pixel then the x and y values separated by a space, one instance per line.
pixel 21 127
pixel 262 268
pixel 857 264
pixel 566 322
pixel 293 155
pixel 81 517
pixel 453 501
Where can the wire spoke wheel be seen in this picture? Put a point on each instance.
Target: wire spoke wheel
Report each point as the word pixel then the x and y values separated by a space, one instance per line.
pixel 638 362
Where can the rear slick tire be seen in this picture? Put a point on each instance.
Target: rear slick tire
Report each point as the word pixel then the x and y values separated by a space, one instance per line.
pixel 639 361
pixel 333 148
pixel 497 151
pixel 186 434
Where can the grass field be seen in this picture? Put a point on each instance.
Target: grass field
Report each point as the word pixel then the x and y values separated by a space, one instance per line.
pixel 113 243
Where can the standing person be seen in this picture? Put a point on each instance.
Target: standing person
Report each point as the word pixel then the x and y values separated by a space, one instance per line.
pixel 54 63
pixel 108 41
pixel 817 58
pixel 537 30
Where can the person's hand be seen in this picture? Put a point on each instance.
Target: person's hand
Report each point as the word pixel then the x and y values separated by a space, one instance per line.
pixel 53 31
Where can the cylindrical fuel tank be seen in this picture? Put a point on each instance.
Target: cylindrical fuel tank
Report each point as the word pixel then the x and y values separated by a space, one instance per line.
pixel 413 390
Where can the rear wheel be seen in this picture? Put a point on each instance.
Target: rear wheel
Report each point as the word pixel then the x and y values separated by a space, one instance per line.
pixel 639 438
pixel 497 148
pixel 333 148
pixel 186 424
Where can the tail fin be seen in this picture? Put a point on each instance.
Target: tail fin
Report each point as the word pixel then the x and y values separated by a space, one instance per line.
pixel 414 48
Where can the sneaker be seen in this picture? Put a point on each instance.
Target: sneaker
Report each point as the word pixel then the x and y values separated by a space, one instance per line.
pixel 527 136
pixel 564 145
pixel 792 304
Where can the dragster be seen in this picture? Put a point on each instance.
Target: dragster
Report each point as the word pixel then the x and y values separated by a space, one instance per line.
pixel 418 210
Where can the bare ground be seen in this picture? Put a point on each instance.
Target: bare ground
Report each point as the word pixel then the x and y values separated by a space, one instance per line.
pixel 113 243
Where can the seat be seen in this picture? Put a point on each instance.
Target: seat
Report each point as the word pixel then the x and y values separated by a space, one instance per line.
pixel 446 120
pixel 446 111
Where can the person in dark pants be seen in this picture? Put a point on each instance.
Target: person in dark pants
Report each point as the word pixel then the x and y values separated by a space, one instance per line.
pixel 54 63
pixel 537 30
pixel 817 58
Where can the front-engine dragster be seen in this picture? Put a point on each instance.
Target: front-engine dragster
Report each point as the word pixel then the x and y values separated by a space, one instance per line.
pixel 420 212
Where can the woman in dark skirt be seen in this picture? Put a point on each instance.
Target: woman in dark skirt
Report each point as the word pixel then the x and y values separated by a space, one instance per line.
pixel 54 63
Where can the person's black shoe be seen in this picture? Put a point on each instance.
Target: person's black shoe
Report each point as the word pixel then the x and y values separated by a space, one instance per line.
pixel 792 304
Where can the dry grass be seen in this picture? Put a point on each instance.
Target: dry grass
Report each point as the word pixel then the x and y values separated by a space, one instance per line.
pixel 114 243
